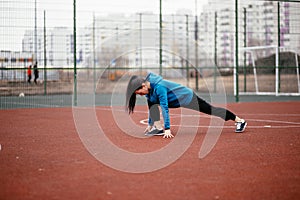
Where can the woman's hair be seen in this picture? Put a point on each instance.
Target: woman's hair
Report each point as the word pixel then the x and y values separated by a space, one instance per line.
pixel 135 83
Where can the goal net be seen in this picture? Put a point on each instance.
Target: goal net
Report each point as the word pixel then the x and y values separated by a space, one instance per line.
pixel 268 70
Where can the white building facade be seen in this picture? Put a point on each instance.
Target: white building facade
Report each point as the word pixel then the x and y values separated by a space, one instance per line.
pixel 258 26
pixel 113 35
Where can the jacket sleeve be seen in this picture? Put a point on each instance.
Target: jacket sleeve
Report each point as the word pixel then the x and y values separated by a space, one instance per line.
pixel 162 94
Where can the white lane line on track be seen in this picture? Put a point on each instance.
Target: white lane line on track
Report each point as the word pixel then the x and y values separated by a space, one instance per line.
pixel 273 121
pixel 258 127
pixel 146 112
pixel 32 104
pixel 255 120
pixel 145 122
pixel 207 116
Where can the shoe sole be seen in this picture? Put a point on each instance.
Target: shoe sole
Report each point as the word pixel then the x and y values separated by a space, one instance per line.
pixel 242 130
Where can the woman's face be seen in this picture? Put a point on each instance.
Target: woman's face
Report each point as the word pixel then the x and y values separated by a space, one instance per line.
pixel 143 91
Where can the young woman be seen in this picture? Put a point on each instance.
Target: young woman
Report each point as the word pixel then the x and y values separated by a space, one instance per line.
pixel 167 94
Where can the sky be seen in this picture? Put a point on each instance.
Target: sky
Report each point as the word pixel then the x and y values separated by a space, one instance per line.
pixel 18 15
pixel 133 6
pixel 86 8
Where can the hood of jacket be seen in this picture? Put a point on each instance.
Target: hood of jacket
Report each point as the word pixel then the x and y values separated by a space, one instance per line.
pixel 153 79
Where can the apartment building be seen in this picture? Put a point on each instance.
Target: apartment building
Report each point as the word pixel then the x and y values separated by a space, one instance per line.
pixel 259 25
pixel 136 37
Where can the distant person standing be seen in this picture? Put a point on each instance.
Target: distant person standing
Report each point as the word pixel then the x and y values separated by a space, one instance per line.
pixel 29 74
pixel 36 72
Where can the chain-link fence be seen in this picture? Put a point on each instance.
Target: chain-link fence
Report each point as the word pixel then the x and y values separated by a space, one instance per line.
pixel 70 43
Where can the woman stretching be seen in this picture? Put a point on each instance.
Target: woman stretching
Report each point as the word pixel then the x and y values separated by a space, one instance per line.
pixel 167 94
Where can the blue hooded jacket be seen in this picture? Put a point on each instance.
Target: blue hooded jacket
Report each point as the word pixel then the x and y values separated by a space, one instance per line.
pixel 168 95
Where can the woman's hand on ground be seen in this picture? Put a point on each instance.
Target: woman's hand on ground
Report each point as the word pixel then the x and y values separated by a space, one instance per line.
pixel 168 134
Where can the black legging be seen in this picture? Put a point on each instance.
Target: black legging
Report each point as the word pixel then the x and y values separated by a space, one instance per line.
pixel 200 105
pixel 153 111
pixel 197 104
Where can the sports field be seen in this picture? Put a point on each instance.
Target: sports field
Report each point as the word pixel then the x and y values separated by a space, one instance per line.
pixel 65 69
pixel 42 156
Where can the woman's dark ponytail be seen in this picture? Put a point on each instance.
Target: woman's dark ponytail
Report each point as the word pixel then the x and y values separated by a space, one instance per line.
pixel 134 84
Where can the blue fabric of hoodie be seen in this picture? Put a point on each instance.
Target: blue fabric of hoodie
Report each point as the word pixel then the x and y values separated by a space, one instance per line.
pixel 168 95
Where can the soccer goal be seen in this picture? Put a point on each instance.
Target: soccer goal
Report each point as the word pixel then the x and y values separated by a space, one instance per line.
pixel 268 70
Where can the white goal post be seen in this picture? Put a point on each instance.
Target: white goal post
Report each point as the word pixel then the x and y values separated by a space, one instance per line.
pixel 267 80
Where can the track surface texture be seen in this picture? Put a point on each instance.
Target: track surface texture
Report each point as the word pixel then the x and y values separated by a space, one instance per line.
pixel 43 157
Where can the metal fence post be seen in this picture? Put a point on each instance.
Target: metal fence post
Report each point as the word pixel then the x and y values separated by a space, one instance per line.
pixel 279 42
pixel 160 38
pixel 187 50
pixel 74 47
pixel 245 45
pixel 237 50
pixel 216 59
pixel 45 56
